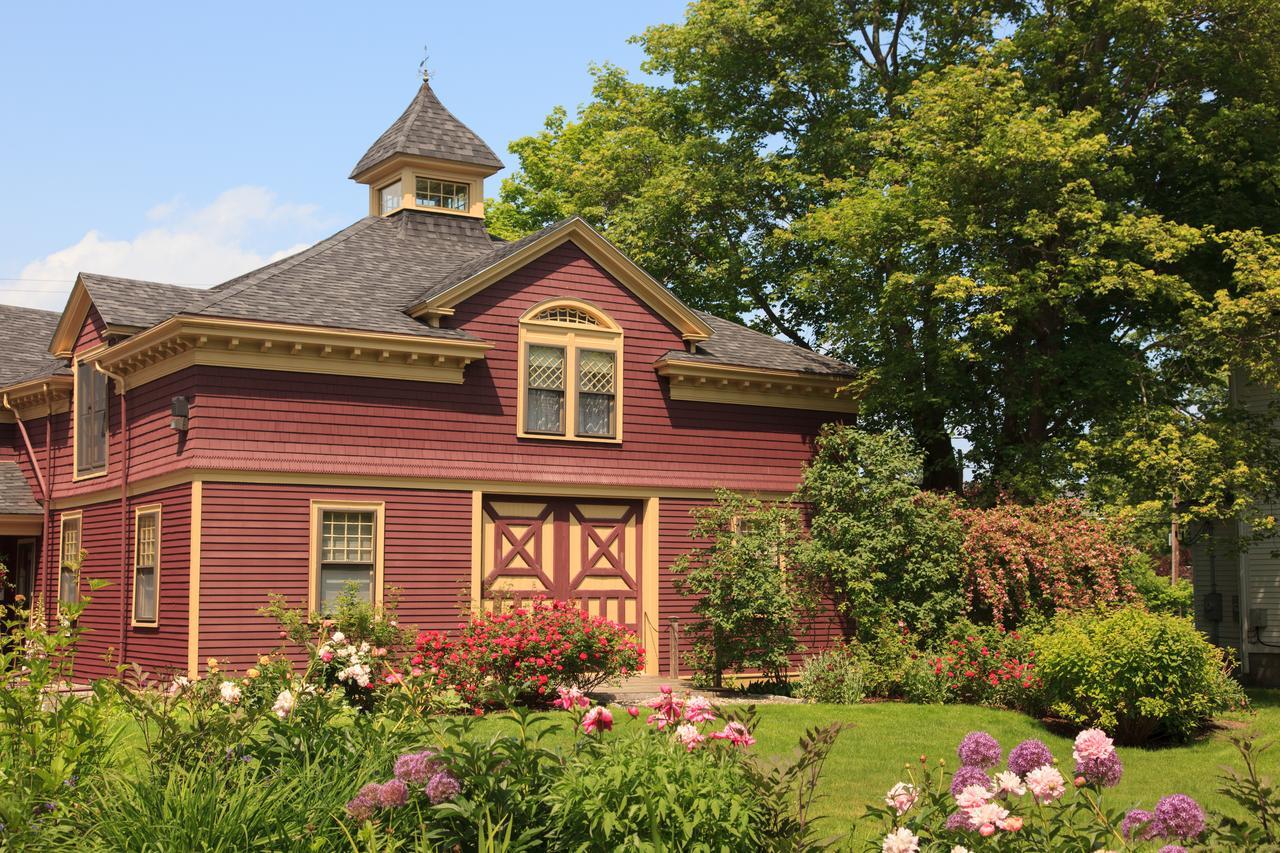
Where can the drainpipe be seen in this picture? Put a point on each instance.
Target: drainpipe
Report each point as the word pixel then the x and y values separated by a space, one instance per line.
pixel 41 478
pixel 124 509
pixel 46 540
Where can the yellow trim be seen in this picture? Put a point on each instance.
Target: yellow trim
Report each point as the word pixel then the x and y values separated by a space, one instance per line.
pixel 407 168
pixel 81 358
pixel 37 398
pixel 193 580
pixel 360 481
pixel 181 342
pixel 598 249
pixel 318 507
pixel 17 524
pixel 747 386
pixel 71 321
pixel 608 337
pixel 649 634
pixel 78 516
pixel 138 512
pixel 477 550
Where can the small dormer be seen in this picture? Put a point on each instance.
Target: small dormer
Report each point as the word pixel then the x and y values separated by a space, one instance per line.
pixel 427 160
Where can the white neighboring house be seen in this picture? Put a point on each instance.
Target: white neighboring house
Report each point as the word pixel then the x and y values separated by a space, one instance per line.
pixel 1237 588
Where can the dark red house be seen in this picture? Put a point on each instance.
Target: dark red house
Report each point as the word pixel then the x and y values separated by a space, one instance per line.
pixel 411 404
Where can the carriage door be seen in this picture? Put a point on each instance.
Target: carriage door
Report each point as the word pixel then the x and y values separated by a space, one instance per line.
pixel 585 551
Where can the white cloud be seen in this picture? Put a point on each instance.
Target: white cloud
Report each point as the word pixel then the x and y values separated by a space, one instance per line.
pixel 240 230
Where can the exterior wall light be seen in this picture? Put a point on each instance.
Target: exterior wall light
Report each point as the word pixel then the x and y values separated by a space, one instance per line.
pixel 180 414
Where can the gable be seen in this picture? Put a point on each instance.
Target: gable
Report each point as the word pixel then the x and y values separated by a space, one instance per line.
pixel 482 273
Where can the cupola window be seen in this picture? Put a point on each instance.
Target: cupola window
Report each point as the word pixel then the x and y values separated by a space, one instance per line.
pixel 392 197
pixel 446 194
pixel 570 377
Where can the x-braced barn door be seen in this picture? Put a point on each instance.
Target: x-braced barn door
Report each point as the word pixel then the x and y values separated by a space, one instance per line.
pixel 586 551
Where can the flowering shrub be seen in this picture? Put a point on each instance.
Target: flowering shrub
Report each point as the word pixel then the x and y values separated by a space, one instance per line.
pixel 1136 673
pixel 1028 806
pixel 988 666
pixel 1046 558
pixel 528 650
pixel 833 675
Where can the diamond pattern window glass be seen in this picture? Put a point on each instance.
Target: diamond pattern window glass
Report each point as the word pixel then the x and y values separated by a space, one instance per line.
pixel 446 194
pixel 347 551
pixel 596 378
pixel 544 409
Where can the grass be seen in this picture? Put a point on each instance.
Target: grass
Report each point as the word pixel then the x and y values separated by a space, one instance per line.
pixel 869 757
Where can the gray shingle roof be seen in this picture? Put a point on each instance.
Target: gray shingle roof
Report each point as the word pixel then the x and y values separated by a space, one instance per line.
pixel 482 262
pixel 16 497
pixel 428 129
pixel 142 304
pixel 733 343
pixel 24 344
pixel 362 278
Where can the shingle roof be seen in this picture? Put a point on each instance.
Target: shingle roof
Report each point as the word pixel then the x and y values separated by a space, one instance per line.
pixel 735 344
pixel 428 129
pixel 482 262
pixel 16 497
pixel 24 344
pixel 131 302
pixel 361 278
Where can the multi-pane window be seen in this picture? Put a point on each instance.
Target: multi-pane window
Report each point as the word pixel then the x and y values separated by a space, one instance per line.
pixel 146 567
pixel 69 562
pixel 596 392
pixel 570 373
pixel 91 420
pixel 390 197
pixel 347 555
pixel 544 408
pixel 446 194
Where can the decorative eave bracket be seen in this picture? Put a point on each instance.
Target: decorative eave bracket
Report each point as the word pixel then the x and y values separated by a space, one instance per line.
pixel 747 386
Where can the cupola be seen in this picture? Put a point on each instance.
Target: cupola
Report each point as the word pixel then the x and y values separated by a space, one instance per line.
pixel 427 160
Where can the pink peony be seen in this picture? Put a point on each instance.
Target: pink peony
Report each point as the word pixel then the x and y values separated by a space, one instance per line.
pixel 668 709
pixel 972 797
pixel 1009 784
pixel 1092 744
pixel 633 711
pixel 570 698
pixel 901 840
pixel 902 797
pixel 1012 823
pixel 987 817
pixel 698 710
pixel 736 733
pixel 597 719
pixel 688 735
pixel 1046 783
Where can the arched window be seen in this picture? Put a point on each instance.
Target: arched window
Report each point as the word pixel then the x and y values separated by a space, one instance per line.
pixel 570 373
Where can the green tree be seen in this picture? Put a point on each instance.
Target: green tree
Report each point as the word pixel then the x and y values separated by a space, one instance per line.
pixel 749 601
pixel 886 550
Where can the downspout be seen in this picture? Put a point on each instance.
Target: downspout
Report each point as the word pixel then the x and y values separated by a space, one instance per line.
pixel 125 587
pixel 41 479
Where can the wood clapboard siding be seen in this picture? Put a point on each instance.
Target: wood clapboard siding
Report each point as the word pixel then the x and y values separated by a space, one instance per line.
pixel 271 421
pixel 256 540
pixel 159 650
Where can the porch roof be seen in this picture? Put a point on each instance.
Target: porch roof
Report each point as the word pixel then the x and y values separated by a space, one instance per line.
pixel 16 497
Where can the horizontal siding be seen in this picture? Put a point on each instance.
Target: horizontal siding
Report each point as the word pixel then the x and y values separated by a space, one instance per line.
pixel 272 421
pixel 162 650
pixel 256 539
pixel 1215 562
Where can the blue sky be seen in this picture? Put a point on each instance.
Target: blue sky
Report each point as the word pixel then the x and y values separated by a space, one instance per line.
pixel 191 142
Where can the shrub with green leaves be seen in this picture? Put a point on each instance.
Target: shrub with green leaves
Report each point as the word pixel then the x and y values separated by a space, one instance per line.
pixel 833 676
pixel 1135 673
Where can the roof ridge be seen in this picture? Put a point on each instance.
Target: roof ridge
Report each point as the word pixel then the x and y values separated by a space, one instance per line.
pixel 253 277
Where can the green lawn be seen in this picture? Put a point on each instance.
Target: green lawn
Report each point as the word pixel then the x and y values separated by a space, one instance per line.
pixel 869 757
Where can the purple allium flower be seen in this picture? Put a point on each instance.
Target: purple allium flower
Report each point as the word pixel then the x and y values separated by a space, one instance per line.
pixel 1179 816
pixel 1172 848
pixel 393 794
pixel 366 802
pixel 417 767
pixel 441 787
pixel 958 821
pixel 966 776
pixel 1029 755
pixel 1137 824
pixel 1105 770
pixel 979 749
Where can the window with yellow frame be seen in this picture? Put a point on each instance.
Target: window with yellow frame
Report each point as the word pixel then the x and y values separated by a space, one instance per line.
pixel 146 566
pixel 570 373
